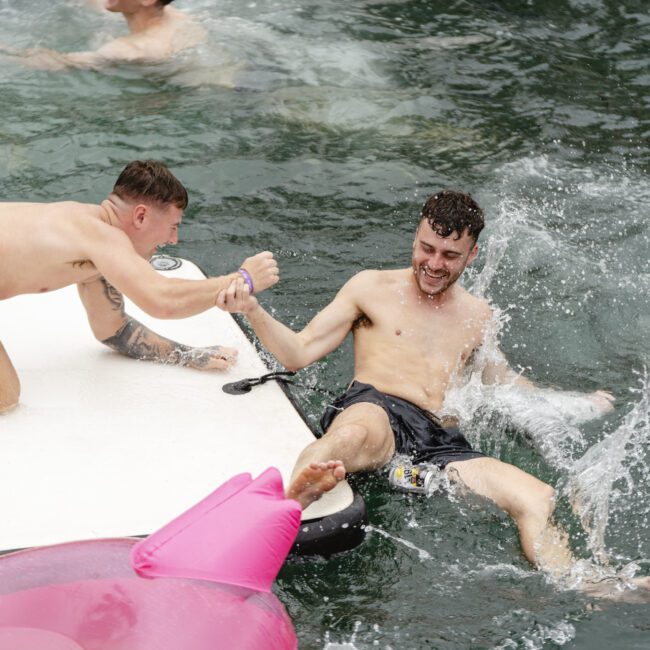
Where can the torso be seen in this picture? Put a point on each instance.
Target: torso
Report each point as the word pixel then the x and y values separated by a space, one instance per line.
pixel 42 247
pixel 411 346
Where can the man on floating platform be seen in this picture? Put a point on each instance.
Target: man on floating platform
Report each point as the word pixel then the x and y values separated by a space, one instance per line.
pixel 156 32
pixel 414 331
pixel 104 250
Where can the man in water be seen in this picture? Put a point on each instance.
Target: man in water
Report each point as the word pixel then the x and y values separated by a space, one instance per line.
pixel 414 331
pixel 104 250
pixel 156 32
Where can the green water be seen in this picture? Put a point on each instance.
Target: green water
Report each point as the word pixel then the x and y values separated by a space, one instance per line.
pixel 345 117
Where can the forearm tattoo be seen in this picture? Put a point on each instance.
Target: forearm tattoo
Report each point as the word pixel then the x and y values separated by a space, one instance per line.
pixel 135 340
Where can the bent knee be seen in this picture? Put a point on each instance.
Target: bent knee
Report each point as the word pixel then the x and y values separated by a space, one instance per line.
pixel 375 447
pixel 539 503
pixel 352 434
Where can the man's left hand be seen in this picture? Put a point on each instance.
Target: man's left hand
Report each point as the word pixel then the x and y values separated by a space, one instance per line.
pixel 215 357
pixel 603 401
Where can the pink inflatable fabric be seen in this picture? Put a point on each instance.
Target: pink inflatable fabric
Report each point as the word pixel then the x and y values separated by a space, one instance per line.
pixel 86 595
pixel 239 535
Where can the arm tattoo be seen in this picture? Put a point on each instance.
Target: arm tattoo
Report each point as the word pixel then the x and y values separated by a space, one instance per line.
pixel 135 340
pixel 114 296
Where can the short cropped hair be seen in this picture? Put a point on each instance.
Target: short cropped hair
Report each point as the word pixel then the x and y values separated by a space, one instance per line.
pixel 451 211
pixel 150 180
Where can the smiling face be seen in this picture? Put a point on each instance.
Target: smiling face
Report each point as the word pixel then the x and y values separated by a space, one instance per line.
pixel 154 226
pixel 439 261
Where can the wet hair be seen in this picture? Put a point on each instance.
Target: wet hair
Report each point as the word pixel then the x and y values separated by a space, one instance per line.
pixel 451 211
pixel 164 2
pixel 150 180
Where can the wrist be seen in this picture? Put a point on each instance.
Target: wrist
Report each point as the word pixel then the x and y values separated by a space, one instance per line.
pixel 247 279
pixel 254 309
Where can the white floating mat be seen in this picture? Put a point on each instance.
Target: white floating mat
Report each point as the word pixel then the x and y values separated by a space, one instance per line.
pixel 105 446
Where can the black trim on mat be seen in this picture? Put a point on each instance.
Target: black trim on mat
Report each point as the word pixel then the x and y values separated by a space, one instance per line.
pixel 340 531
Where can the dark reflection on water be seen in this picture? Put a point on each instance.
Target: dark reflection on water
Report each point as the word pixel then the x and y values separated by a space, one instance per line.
pixel 344 116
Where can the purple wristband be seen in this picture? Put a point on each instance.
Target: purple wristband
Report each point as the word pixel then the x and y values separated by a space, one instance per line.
pixel 247 278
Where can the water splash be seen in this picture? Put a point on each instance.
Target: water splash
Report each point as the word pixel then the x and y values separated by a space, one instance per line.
pixel 613 472
pixel 422 554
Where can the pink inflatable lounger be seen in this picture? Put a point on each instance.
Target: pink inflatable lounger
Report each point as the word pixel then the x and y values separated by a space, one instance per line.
pixel 202 582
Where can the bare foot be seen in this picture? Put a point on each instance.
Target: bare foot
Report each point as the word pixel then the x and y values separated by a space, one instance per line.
pixel 635 590
pixel 314 480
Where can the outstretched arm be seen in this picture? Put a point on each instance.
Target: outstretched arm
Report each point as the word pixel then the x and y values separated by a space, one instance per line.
pixel 295 350
pixel 116 260
pixel 42 58
pixel 498 371
pixel 115 328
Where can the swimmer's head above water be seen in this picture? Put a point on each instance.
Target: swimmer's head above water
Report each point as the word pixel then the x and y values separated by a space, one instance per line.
pixel 445 240
pixel 452 212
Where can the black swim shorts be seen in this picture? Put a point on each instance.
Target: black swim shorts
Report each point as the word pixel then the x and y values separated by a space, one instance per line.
pixel 418 433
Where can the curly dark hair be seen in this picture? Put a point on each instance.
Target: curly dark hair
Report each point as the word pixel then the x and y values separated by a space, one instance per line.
pixel 451 211
pixel 150 180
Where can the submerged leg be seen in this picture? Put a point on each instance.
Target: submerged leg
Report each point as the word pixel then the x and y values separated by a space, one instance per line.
pixel 530 503
pixel 9 383
pixel 526 499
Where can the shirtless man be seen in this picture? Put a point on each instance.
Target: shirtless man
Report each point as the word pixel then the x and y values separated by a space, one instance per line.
pixel 156 32
pixel 104 249
pixel 414 330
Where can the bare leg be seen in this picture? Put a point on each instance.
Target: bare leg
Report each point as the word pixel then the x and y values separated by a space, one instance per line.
pixel 526 499
pixel 314 480
pixel 530 503
pixel 360 436
pixel 9 383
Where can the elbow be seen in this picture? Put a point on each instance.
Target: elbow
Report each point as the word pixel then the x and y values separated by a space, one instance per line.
pixel 294 362
pixel 293 366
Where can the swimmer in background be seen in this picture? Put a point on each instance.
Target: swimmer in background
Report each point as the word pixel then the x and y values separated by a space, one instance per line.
pixel 104 250
pixel 156 33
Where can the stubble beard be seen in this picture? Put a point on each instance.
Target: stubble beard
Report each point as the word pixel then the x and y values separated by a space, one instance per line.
pixel 429 291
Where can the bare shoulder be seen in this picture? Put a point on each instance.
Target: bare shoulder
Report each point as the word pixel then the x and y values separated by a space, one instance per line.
pixel 371 280
pixel 477 309
pixel 126 48
pixel 87 220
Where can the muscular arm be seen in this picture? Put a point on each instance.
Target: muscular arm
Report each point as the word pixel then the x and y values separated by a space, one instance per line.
pixel 296 350
pixel 115 328
pixel 157 295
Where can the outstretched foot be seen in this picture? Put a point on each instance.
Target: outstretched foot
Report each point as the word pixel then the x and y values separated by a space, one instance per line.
pixel 636 590
pixel 314 480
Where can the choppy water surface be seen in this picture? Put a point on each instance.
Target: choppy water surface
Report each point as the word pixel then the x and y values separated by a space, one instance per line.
pixel 344 117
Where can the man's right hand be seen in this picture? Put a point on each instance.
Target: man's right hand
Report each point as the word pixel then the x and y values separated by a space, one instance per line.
pixel 263 270
pixel 236 298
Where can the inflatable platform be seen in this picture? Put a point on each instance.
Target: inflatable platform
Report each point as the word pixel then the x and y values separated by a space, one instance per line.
pixel 103 446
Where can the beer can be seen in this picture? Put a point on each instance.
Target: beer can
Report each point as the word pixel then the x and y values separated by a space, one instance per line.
pixel 412 478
